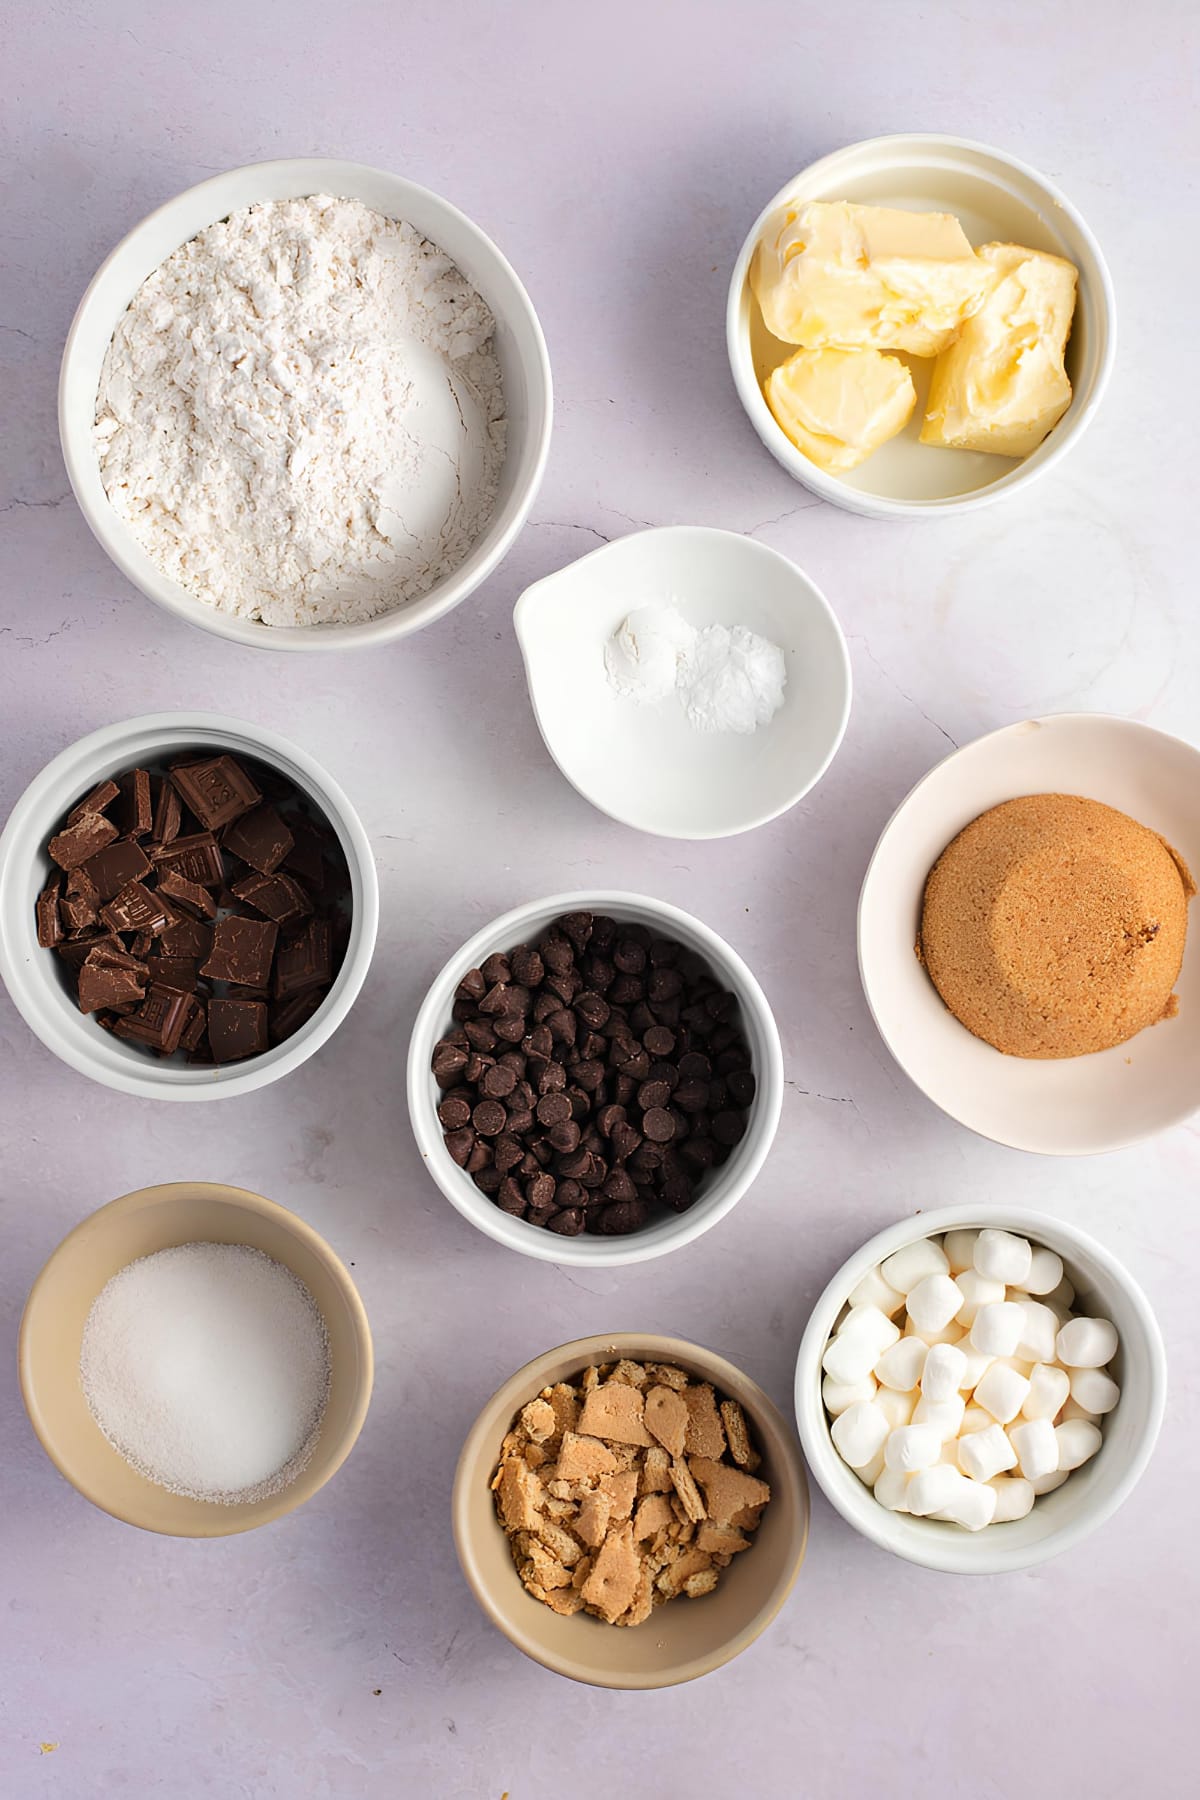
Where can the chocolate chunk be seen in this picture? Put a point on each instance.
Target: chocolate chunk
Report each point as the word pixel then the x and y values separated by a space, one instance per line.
pixel 110 978
pixel 237 1028
pixel 260 838
pixel 187 937
pixel 49 924
pixel 78 911
pixel 160 1020
pixel 242 950
pixel 76 843
pixel 279 897
pixel 174 972
pixel 135 908
pixel 305 959
pixel 75 951
pixel 134 812
pixel 168 813
pixel 115 867
pixel 195 1031
pixel 194 899
pixel 98 801
pixel 306 858
pixel 197 858
pixel 217 791
pixel 287 1017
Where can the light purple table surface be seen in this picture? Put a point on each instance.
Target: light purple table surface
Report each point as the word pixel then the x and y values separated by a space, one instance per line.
pixel 618 155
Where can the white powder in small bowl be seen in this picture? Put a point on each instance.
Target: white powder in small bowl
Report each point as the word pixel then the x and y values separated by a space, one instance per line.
pixel 725 677
pixel 207 1367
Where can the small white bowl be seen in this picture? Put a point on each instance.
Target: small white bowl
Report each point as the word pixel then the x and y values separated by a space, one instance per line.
pixel 723 1188
pixel 645 765
pixel 1060 1520
pixel 997 198
pixel 1070 1106
pixel 520 346
pixel 31 973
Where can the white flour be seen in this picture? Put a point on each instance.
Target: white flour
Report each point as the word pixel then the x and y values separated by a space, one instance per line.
pixel 301 414
pixel 725 677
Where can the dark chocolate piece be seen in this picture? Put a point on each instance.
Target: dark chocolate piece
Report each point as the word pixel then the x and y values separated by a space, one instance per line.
pixel 115 867
pixel 307 855
pixel 110 978
pixel 194 899
pixel 134 813
pixel 287 1016
pixel 218 790
pixel 76 843
pixel 98 801
pixel 168 813
pixel 187 937
pixel 237 1029
pixel 78 912
pixel 49 924
pixel 304 960
pixel 75 951
pixel 159 1021
pixel 196 858
pixel 241 952
pixel 279 897
pixel 174 972
pixel 260 838
pixel 135 908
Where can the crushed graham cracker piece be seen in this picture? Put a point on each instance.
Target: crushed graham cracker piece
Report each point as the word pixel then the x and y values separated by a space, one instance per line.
pixel 666 1416
pixel 705 1433
pixel 538 1421
pixel 655 1477
pixel 565 1406
pixel 738 1433
pixel 520 1495
pixel 727 1490
pixel 613 1581
pixel 589 1379
pixel 592 1521
pixel 642 1604
pixel 720 1540
pixel 583 1458
pixel 654 1514
pixel 542 1567
pixel 621 1490
pixel 631 1373
pixel 559 1542
pixel 690 1562
pixel 566 1601
pixel 614 1412
pixel 701 1583
pixel 685 1487
pixel 667 1375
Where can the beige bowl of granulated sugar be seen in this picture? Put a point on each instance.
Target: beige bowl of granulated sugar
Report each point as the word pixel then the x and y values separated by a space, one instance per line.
pixel 138 1225
pixel 520 349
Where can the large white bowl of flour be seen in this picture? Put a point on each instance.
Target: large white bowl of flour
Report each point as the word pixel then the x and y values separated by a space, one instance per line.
pixel 301 427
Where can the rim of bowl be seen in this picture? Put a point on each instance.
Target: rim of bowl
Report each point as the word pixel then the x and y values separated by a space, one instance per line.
pixel 534 1240
pixel 298 1491
pixel 869 505
pixel 1117 722
pixel 815 595
pixel 25 985
pixel 386 627
pixel 527 1380
pixel 813 1426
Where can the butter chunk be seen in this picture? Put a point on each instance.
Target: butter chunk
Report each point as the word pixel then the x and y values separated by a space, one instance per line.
pixel 838 406
pixel 833 273
pixel 1002 386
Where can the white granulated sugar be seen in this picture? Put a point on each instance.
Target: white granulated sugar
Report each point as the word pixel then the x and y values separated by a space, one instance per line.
pixel 726 677
pixel 207 1367
pixel 301 415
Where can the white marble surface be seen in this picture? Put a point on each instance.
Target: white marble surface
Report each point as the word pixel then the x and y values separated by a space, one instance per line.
pixel 617 157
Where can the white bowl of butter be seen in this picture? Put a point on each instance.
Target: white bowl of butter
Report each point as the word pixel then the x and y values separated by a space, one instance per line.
pixel 998 200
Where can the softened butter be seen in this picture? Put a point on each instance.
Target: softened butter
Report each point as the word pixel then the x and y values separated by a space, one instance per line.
pixel 838 406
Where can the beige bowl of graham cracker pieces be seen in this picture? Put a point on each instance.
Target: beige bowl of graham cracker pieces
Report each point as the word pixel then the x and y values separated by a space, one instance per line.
pixel 566 1472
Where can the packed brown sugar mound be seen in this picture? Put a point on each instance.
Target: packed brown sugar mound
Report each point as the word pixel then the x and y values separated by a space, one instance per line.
pixel 1055 926
pixel 626 1488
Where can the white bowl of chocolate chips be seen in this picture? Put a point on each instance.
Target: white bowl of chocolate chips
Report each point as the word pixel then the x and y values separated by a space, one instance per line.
pixel 188 906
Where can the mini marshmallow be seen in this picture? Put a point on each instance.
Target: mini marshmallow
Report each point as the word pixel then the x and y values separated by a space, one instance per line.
pixel 859 1433
pixel 1014 1498
pixel 972 1505
pixel 1073 1410
pixel 838 1395
pixel 870 1472
pixel 872 1325
pixel 950 1452
pixel 959 1249
pixel 1038 1333
pixel 983 1454
pixel 977 1365
pixel 1090 1388
pixel 997 1328
pixel 1036 1447
pixel 896 1407
pixel 1045 1271
pixel 1048 1389
pixel 999 1256
pixel 976 1291
pixel 976 1418
pixel 942 1376
pixel 931 1489
pixel 934 1303
pixel 849 1358
pixel 891 1490
pixel 904 1268
pixel 901 1366
pixel 946 1416
pixel 873 1290
pixel 1077 1441
pixel 1002 1392
pixel 1046 1484
pixel 912 1447
pixel 1063 1295
pixel 1087 1343
pixel 949 1334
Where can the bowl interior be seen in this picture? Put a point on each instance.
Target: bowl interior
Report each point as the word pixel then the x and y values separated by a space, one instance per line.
pixel 645 764
pixel 33 973
pixel 52 1332
pixel 519 348
pixel 722 1187
pixel 996 201
pixel 1075 1105
pixel 1092 1492
pixel 684 1638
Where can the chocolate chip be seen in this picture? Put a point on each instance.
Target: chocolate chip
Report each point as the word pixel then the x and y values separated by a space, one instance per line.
pixel 742 1087
pixel 624 1216
pixel 497 1082
pixel 659 1041
pixel 448 1063
pixel 454 1114
pixel 658 1125
pixel 489 1118
pixel 568 1222
pixel 729 1128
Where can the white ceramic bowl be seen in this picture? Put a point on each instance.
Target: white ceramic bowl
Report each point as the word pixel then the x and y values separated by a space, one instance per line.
pixel 31 974
pixel 997 198
pixel 723 1188
pixel 520 347
pixel 645 765
pixel 1092 1494
pixel 1071 1106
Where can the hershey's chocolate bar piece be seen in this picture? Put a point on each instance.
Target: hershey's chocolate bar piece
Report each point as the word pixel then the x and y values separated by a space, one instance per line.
pixel 75 951
pixel 187 937
pixel 49 923
pixel 133 812
pixel 174 972
pixel 218 791
pixel 260 838
pixel 196 858
pixel 194 1031
pixel 307 854
pixel 135 908
pixel 78 912
pixel 115 867
pixel 242 951
pixel 191 896
pixel 305 960
pixel 76 843
pixel 98 801
pixel 279 896
pixel 110 978
pixel 287 1016
pixel 159 1021
pixel 236 1029
pixel 168 813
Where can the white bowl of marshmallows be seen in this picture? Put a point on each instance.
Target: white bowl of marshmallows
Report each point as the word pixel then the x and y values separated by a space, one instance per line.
pixel 978 1392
